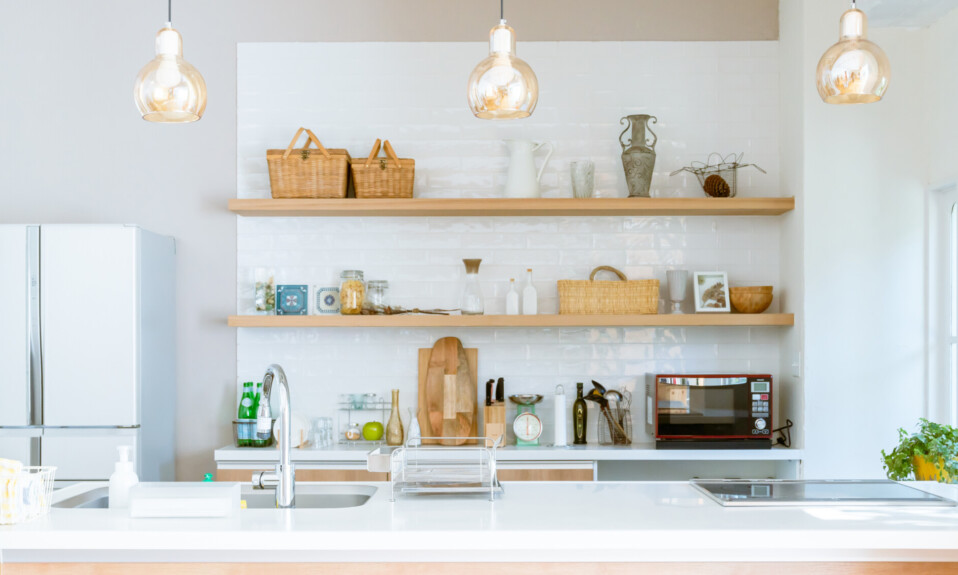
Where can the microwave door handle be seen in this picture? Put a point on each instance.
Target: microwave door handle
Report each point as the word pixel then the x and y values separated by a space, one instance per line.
pixel 34 329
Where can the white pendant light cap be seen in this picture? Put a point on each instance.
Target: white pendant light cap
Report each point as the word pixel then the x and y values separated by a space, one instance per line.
pixel 502 39
pixel 169 42
pixel 854 70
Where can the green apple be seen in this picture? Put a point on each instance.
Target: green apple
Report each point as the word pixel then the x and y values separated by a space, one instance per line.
pixel 373 431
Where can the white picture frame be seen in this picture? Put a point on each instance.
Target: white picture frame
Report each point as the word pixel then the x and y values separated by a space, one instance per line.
pixel 711 292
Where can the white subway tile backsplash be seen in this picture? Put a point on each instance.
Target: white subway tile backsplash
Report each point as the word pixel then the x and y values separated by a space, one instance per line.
pixel 708 97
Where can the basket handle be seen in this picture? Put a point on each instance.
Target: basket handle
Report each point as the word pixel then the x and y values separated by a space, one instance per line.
pixel 392 154
pixel 374 153
pixel 607 269
pixel 310 138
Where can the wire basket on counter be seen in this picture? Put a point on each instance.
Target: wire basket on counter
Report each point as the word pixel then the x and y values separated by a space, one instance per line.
pixel 25 495
pixel 416 468
pixel 718 180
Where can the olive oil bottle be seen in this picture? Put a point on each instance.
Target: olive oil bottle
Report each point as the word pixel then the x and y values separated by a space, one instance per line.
pixel 579 414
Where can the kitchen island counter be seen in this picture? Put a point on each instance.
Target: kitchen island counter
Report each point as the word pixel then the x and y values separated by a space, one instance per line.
pixel 529 522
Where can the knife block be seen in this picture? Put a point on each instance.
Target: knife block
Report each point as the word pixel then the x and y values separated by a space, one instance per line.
pixel 494 423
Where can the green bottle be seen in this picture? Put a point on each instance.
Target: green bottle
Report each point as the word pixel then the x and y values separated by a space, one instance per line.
pixel 579 415
pixel 247 412
pixel 255 441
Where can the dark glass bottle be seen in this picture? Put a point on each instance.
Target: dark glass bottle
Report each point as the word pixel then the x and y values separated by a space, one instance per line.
pixel 579 414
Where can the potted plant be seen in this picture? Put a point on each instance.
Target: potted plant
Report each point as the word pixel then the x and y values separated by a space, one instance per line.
pixel 931 454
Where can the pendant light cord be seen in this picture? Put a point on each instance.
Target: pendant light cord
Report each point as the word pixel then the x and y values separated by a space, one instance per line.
pixel 169 11
pixel 502 9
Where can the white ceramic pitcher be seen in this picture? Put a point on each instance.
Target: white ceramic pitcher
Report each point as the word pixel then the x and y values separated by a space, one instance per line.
pixel 523 180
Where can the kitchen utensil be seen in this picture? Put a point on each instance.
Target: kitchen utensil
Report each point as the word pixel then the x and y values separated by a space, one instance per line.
pixel 522 180
pixel 638 154
pixel 750 299
pixel 527 426
pixel 608 297
pixel 582 173
pixel 615 428
pixel 678 288
pixel 448 391
pixel 501 390
pixel 489 385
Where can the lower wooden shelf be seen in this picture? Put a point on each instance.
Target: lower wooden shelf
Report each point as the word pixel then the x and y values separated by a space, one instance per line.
pixel 449 321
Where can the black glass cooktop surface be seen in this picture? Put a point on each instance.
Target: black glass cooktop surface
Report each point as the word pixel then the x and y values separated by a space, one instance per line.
pixel 775 492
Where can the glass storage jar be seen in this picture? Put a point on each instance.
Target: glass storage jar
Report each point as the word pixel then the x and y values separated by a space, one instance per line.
pixel 376 295
pixel 352 292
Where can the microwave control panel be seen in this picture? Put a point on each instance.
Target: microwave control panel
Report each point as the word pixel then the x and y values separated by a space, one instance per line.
pixel 761 393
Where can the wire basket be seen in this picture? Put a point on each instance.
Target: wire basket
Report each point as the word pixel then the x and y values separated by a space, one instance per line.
pixel 416 468
pixel 718 180
pixel 25 495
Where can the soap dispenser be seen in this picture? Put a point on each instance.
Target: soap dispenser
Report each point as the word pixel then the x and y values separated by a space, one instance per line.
pixel 123 478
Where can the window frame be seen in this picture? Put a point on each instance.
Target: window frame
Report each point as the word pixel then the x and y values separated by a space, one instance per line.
pixel 942 304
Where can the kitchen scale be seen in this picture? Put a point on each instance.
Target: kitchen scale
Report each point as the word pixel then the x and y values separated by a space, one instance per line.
pixel 792 492
pixel 527 426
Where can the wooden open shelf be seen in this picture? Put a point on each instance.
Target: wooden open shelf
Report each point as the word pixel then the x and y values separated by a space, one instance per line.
pixel 513 207
pixel 533 321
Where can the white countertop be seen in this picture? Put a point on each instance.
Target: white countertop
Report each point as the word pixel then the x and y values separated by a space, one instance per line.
pixel 529 522
pixel 637 452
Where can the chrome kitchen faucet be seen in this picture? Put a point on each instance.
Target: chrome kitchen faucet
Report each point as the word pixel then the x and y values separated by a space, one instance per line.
pixel 283 480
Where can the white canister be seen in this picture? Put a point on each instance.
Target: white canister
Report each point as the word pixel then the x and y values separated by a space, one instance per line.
pixel 561 416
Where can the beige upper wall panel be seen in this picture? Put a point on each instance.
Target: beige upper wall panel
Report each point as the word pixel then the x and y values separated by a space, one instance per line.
pixel 467 20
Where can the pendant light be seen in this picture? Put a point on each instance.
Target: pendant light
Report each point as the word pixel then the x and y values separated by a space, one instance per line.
pixel 855 70
pixel 502 86
pixel 168 89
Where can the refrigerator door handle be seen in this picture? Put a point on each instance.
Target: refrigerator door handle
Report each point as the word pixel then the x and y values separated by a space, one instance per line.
pixel 34 329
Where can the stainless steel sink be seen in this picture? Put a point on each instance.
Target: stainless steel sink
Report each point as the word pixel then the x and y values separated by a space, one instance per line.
pixel 96 498
pixel 312 496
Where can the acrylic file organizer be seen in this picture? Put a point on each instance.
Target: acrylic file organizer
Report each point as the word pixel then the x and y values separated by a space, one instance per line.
pixel 421 469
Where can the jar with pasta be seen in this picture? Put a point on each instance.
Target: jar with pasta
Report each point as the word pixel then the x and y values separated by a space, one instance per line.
pixel 352 292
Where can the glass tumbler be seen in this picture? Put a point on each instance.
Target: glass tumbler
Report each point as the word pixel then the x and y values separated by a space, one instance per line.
pixel 678 288
pixel 583 178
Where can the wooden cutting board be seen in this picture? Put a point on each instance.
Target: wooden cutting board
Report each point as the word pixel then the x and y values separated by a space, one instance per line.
pixel 448 379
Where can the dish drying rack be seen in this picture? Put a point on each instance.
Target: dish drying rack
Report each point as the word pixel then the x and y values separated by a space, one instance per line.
pixel 422 469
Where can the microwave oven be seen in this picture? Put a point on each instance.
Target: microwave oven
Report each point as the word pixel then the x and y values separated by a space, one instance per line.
pixel 709 411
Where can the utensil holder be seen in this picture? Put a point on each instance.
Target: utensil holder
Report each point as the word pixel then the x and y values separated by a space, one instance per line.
pixel 25 495
pixel 609 434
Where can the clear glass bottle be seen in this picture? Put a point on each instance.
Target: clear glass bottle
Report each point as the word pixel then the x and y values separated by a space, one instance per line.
pixel 376 291
pixel 471 301
pixel 352 292
pixel 530 298
pixel 512 299
pixel 394 432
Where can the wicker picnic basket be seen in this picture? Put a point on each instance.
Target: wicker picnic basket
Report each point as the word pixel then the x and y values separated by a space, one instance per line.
pixel 389 177
pixel 307 173
pixel 623 297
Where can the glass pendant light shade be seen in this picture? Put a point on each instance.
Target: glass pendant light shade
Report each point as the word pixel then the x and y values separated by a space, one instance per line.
pixel 502 86
pixel 168 88
pixel 855 70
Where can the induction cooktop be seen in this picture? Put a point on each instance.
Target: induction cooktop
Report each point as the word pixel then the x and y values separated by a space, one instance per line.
pixel 780 492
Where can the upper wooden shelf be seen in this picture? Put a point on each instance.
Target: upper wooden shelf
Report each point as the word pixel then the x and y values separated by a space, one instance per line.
pixel 450 321
pixel 513 207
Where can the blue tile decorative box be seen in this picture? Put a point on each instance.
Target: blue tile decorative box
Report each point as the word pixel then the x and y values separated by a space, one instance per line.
pixel 292 299
pixel 327 300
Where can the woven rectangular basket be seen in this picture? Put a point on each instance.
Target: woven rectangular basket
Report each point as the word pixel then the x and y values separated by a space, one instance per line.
pixel 307 173
pixel 623 297
pixel 389 177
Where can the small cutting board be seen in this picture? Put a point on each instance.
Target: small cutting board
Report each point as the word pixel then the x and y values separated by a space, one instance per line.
pixel 448 376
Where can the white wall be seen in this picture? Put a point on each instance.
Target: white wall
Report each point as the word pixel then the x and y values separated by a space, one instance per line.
pixel 421 110
pixel 864 174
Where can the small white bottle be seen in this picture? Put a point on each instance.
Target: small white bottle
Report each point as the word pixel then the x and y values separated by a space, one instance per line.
pixel 123 478
pixel 530 299
pixel 512 298
pixel 561 417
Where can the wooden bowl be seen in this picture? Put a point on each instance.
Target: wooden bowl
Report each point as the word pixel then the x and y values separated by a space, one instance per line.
pixel 751 299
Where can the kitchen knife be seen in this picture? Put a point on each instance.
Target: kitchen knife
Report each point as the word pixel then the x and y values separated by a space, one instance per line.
pixel 501 391
pixel 489 391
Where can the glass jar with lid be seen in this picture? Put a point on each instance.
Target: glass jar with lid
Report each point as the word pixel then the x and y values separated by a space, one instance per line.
pixel 352 292
pixel 376 291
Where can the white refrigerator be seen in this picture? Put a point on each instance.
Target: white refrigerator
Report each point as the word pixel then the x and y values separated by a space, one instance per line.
pixel 87 348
